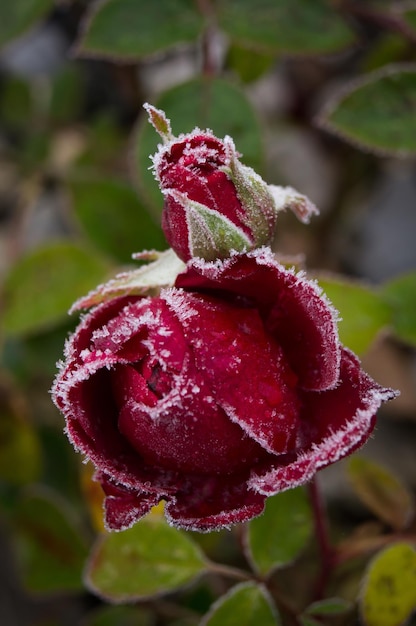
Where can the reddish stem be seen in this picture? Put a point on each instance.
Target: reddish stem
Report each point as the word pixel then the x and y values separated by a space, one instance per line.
pixel 209 65
pixel 322 536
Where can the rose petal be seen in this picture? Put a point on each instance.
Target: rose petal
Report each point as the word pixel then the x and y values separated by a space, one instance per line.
pixel 123 507
pixel 293 309
pixel 335 423
pixel 218 504
pixel 185 431
pixel 267 409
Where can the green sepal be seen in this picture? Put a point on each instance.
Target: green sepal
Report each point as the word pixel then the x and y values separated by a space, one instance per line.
pixel 211 234
pixel 259 208
pixel 145 281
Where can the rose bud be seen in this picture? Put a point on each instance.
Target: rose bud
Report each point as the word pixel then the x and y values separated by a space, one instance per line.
pixel 224 389
pixel 214 203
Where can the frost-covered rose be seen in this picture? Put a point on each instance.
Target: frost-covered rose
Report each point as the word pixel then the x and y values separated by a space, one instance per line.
pixel 214 203
pixel 226 388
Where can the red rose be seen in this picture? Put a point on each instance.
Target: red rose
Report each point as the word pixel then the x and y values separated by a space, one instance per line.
pixel 226 388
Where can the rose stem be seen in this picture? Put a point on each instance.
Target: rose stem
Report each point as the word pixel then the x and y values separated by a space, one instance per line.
pixel 228 571
pixel 209 65
pixel 322 536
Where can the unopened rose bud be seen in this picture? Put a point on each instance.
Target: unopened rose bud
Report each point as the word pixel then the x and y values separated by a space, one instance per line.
pixel 213 203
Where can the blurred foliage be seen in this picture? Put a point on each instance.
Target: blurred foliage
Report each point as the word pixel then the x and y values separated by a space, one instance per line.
pixel 75 133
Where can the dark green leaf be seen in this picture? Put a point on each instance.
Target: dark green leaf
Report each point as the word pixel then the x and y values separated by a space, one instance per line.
pixel 388 48
pixel 146 560
pixel 247 604
pixel 377 112
pixel 248 64
pixel 278 536
pixel 329 606
pixel 20 15
pixel 363 312
pixel 206 103
pixel 292 26
pixel 400 294
pixel 389 590
pixel 119 616
pixel 381 491
pixel 66 97
pixel 50 550
pixel 129 29
pixel 41 287
pixel 114 218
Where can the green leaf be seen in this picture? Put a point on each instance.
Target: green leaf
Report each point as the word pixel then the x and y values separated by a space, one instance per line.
pixel 382 492
pixel 67 95
pixel 389 588
pixel 41 287
pixel 376 112
pixel 143 561
pixel 329 606
pixel 18 16
pixel 363 311
pixel 206 103
pixel 50 550
pixel 119 616
pixel 246 604
pixel 400 294
pixel 291 26
pixel 248 64
pixel 278 536
pixel 113 217
pixel 128 29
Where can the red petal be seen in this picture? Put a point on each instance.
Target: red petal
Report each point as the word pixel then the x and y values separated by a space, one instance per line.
pixel 293 310
pixel 217 504
pixel 334 424
pixel 124 507
pixel 245 369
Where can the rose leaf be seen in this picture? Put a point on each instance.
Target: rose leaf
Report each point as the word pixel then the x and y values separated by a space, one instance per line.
pixel 290 26
pixel 113 217
pixel 18 16
pixel 400 294
pixel 126 29
pixel 50 550
pixel 146 560
pixel 42 285
pixel 246 604
pixel 377 112
pixel 363 311
pixel 388 594
pixel 329 606
pixel 381 492
pixel 278 536
pixel 119 616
